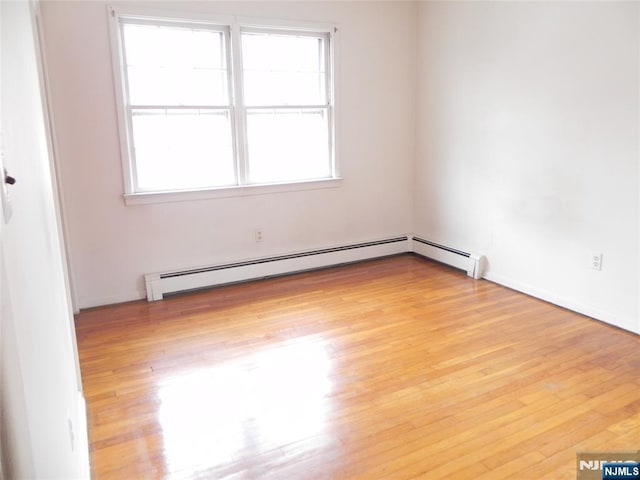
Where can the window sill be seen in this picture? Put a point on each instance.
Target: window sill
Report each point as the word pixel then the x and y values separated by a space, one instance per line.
pixel 226 192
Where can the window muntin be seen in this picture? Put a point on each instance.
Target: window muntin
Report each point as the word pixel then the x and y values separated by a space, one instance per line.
pixel 200 114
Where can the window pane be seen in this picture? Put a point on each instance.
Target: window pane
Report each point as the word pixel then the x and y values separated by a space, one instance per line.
pixel 288 145
pixel 175 66
pixel 179 87
pixel 282 69
pixel 182 149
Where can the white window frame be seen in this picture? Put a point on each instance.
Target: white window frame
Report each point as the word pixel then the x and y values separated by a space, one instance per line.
pixel 234 26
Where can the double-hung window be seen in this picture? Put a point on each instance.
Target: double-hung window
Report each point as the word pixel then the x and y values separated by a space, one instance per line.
pixel 208 104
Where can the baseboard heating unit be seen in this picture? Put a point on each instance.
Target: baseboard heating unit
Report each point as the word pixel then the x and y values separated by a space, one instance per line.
pixel 159 284
pixel 472 263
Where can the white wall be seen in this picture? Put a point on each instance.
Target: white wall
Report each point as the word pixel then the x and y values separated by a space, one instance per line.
pixel 39 385
pixel 528 145
pixel 525 150
pixel 113 245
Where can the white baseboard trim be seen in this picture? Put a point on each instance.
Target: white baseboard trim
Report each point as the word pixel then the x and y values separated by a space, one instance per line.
pixel 110 300
pixel 608 317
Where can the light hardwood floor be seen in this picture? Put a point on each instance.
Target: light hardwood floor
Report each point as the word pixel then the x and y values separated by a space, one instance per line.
pixel 396 368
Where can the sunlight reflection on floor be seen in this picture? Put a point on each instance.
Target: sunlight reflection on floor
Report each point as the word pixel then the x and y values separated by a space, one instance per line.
pixel 264 400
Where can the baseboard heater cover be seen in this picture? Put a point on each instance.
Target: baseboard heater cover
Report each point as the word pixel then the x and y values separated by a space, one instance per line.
pixel 159 284
pixel 472 263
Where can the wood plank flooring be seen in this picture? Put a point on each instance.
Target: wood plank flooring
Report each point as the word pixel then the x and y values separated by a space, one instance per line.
pixel 395 368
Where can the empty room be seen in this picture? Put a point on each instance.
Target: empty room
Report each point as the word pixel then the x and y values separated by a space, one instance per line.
pixel 320 239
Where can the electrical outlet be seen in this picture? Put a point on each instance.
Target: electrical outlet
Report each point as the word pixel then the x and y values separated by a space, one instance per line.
pixel 596 261
pixel 258 234
pixel 72 436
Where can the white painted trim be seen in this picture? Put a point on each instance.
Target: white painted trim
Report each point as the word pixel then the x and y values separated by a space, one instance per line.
pixel 233 26
pixel 289 25
pixel 109 300
pixel 334 97
pixel 82 437
pixel 226 192
pixel 238 110
pixel 59 194
pixel 115 14
pixel 119 94
pixel 56 183
pixel 170 15
pixel 605 316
